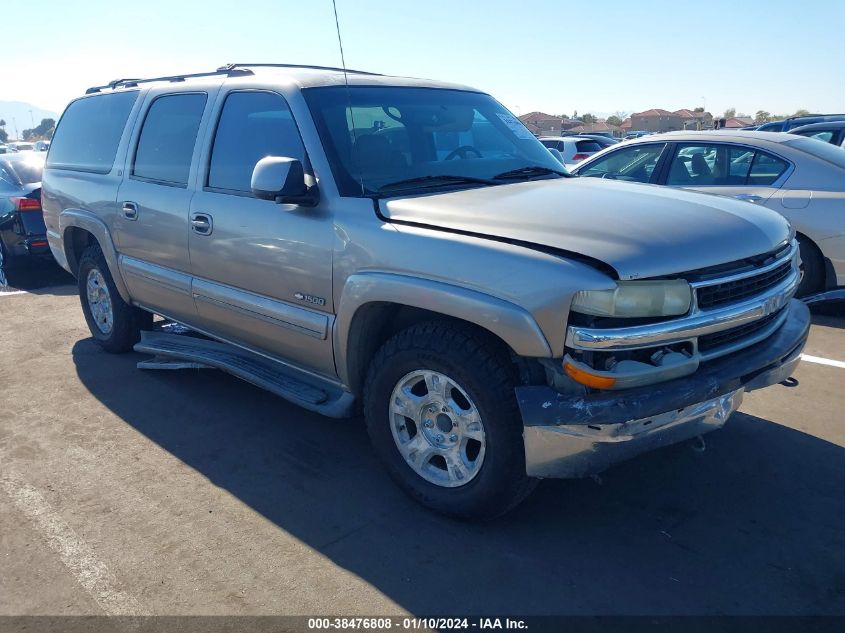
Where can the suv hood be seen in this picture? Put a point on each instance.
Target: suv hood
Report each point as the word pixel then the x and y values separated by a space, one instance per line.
pixel 639 230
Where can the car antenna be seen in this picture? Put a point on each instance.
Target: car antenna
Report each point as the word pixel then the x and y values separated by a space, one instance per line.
pixel 346 83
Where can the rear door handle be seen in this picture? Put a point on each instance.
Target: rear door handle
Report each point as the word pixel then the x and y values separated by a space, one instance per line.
pixel 201 223
pixel 748 197
pixel 130 210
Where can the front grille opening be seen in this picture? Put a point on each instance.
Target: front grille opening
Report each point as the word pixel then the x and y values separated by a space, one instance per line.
pixel 734 291
pixel 606 361
pixel 716 340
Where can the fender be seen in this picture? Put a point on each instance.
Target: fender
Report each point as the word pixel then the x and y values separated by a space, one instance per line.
pixel 87 221
pixel 513 324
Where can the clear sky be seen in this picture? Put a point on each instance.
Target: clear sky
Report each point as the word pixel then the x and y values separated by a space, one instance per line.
pixel 557 57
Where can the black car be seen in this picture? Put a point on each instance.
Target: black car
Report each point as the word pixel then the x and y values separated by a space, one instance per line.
pixel 832 132
pixel 23 235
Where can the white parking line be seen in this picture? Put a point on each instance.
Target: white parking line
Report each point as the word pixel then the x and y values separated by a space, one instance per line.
pixel 13 292
pixel 823 361
pixel 76 554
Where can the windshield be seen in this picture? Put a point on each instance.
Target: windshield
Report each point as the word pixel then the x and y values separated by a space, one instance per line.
pixel 395 139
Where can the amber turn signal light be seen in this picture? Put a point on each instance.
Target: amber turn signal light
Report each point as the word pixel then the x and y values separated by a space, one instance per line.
pixel 585 378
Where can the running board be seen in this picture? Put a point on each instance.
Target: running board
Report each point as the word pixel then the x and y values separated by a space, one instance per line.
pixel 177 351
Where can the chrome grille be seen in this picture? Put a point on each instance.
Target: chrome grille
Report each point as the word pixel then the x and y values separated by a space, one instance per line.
pixel 709 342
pixel 732 291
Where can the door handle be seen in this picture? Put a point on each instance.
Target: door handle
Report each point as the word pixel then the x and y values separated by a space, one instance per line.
pixel 201 223
pixel 748 197
pixel 130 210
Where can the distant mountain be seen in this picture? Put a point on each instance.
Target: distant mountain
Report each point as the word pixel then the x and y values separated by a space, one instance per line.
pixel 16 114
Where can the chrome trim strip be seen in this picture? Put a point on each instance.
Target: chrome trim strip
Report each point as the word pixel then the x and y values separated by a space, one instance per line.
pixel 793 251
pixel 724 350
pixel 686 328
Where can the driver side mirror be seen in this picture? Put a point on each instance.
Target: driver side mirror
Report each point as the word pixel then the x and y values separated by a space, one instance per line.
pixel 282 180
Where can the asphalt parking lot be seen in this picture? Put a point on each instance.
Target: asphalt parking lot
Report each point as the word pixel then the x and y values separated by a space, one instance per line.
pixel 190 492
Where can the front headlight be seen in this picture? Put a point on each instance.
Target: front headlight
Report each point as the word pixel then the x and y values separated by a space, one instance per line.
pixel 636 299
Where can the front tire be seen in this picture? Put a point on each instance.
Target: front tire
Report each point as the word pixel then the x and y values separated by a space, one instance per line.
pixel 442 415
pixel 812 265
pixel 114 324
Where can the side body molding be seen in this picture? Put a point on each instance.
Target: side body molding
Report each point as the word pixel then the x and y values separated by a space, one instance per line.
pixel 94 225
pixel 511 323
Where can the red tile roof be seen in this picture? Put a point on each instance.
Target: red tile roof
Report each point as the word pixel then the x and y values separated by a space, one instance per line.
pixel 690 114
pixel 739 121
pixel 653 112
pixel 536 115
pixel 598 126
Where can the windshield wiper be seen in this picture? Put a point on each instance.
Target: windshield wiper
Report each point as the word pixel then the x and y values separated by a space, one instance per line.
pixel 530 172
pixel 434 180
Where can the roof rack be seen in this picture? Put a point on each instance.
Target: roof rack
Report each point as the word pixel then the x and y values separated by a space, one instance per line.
pixel 228 70
pixel 303 66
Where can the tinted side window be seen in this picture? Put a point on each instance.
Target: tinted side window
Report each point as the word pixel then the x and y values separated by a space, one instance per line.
pixel 252 125
pixel 765 169
pixel 825 136
pixel 89 133
pixel 168 137
pixel 633 164
pixel 722 165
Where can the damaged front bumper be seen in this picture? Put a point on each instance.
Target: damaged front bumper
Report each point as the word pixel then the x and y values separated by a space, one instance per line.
pixel 575 436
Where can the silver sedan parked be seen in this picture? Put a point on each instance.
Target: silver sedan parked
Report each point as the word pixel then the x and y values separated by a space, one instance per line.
pixel 800 178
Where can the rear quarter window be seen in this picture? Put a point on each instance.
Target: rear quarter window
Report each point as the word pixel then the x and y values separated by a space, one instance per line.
pixel 89 132
pixel 765 169
pixel 588 146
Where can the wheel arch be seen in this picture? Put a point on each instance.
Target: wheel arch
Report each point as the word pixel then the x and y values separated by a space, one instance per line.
pixel 81 229
pixel 374 306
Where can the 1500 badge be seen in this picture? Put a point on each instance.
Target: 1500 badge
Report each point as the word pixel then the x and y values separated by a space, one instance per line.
pixel 319 301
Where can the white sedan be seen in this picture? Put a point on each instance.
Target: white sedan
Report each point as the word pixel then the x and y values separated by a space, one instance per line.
pixel 801 178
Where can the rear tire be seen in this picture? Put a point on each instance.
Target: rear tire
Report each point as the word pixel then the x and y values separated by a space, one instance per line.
pixel 812 264
pixel 442 374
pixel 4 266
pixel 114 324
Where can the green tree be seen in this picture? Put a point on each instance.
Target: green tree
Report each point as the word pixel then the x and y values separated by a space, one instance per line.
pixel 699 109
pixel 801 112
pixel 614 120
pixel 762 117
pixel 43 130
pixel 588 118
pixel 729 113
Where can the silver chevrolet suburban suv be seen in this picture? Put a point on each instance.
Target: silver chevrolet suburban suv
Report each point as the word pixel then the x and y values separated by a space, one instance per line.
pixel 406 249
